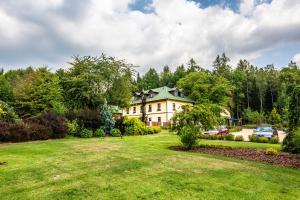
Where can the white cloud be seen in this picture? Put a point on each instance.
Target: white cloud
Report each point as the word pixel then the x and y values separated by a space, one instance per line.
pixel 49 32
pixel 296 58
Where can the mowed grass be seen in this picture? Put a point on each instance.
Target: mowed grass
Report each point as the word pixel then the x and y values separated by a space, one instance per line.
pixel 140 167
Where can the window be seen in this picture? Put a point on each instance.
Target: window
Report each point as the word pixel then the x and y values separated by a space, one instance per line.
pixel 141 109
pixel 151 95
pixel 150 119
pixel 134 109
pixel 127 110
pixel 174 106
pixel 159 119
pixel 149 108
pixel 158 107
pixel 179 94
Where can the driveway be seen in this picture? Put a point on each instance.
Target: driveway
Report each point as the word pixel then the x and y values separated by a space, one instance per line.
pixel 246 132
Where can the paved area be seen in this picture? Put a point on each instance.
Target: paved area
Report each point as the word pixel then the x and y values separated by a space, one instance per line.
pixel 246 132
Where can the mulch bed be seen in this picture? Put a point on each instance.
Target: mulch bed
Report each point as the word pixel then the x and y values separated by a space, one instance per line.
pixel 283 159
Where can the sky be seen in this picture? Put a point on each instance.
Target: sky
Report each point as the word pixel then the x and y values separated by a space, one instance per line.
pixel 149 33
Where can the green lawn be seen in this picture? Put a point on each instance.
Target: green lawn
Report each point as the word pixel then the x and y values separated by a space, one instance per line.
pixel 139 167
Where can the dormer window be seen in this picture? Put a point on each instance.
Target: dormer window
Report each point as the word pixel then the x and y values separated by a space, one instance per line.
pixel 179 93
pixel 151 95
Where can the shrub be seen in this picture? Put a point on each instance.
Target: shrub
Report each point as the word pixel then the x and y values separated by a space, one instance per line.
pixel 274 140
pixel 229 137
pixel 4 131
pixel 213 137
pixel 86 133
pixel 235 129
pixel 156 129
pixel 262 140
pixel 115 132
pixel 18 133
pixel 7 113
pixel 272 151
pixel 252 138
pixel 221 137
pixel 99 133
pixel 73 128
pixel 239 138
pixel 293 143
pixel 250 126
pixel 129 130
pixel 188 136
pixel 137 126
pixel 39 132
pixel 57 124
pixel 86 118
pixel 106 118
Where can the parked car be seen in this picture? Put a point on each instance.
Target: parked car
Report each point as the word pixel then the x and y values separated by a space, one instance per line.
pixel 218 131
pixel 265 131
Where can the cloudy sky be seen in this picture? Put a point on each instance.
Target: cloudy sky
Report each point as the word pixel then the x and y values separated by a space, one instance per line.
pixel 149 33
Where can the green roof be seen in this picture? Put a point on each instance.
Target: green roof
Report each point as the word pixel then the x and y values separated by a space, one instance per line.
pixel 162 93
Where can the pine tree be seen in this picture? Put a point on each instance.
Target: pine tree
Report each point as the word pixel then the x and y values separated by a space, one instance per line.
pixel 108 122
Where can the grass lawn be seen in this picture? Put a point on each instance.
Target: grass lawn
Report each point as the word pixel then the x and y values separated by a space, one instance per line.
pixel 140 167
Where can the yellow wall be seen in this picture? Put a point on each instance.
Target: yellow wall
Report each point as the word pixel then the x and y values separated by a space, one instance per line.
pixel 166 112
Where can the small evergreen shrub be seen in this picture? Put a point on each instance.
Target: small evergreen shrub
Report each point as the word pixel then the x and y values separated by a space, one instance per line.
pixel 99 133
pixel 274 140
pixel 252 138
pixel 115 132
pixel 86 133
pixel 262 140
pixel 292 144
pixel 239 138
pixel 188 136
pixel 229 137
pixel 272 151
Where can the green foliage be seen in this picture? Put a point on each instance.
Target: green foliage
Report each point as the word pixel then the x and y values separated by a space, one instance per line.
pixel 235 129
pixel 99 133
pixel 5 89
pixel 274 140
pixel 58 108
pixel 106 118
pixel 205 87
pixel 8 114
pixel 272 151
pixel 293 143
pixel 115 132
pixel 149 81
pixel 90 80
pixel 294 108
pixel 229 137
pixel 35 92
pixel 262 140
pixel 86 133
pixel 134 126
pixel 274 117
pixel 188 136
pixel 253 116
pixel 73 128
pixel 239 138
pixel 204 116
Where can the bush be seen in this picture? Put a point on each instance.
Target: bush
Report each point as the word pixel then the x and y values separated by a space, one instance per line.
pixel 129 130
pixel 293 143
pixel 86 118
pixel 39 132
pixel 272 151
pixel 188 136
pixel 252 138
pixel 4 131
pixel 115 132
pixel 8 114
pixel 134 126
pixel 86 133
pixel 262 140
pixel 221 137
pixel 55 123
pixel 213 137
pixel 73 128
pixel 250 126
pixel 274 140
pixel 18 133
pixel 239 138
pixel 99 133
pixel 235 129
pixel 156 129
pixel 229 137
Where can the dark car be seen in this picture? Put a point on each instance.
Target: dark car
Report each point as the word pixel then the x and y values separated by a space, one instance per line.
pixel 265 131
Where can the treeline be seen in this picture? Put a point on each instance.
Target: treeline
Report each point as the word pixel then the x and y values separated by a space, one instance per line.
pixel 250 93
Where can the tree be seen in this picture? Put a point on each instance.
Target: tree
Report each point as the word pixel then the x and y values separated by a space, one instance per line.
pixel 5 89
pixel 221 66
pixel 149 81
pixel 106 118
pixel 274 117
pixel 261 83
pixel 204 87
pixel 35 92
pixel 166 77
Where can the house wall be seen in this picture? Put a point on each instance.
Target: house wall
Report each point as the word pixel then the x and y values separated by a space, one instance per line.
pixel 166 112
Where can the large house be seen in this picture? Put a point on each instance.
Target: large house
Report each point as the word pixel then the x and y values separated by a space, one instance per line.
pixel 159 105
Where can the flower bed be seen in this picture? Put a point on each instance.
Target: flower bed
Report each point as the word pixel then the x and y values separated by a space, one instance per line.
pixel 282 159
